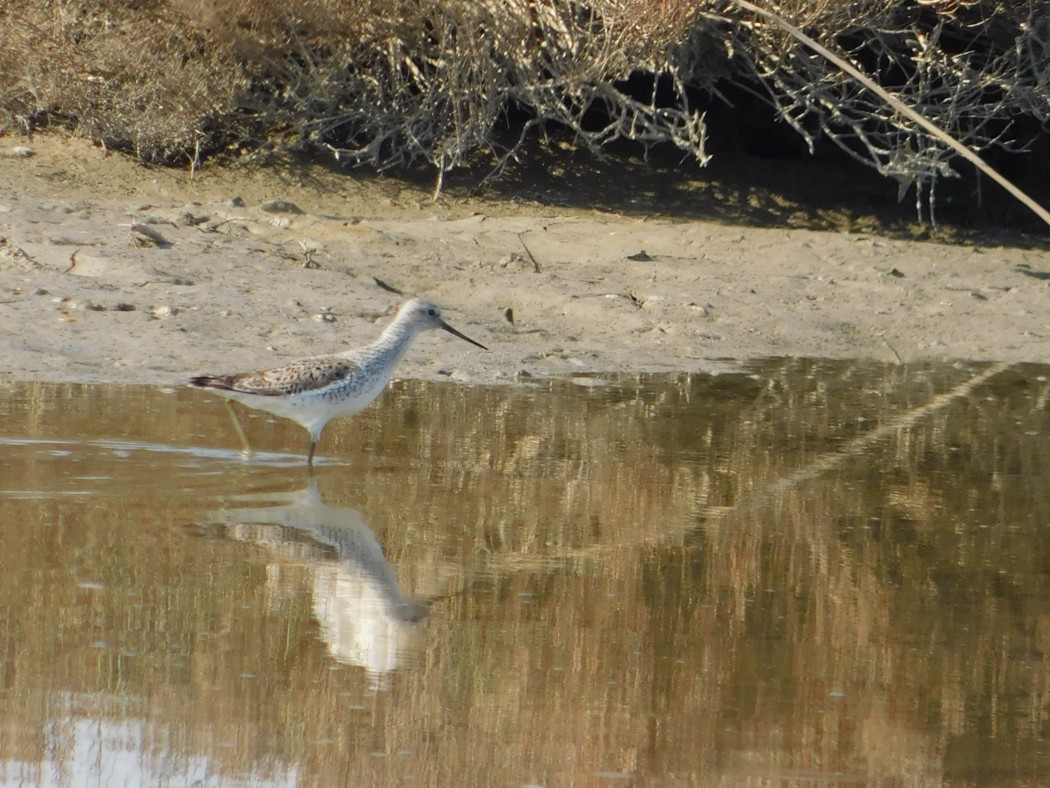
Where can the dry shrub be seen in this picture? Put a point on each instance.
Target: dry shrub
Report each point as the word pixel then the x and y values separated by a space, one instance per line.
pixel 975 69
pixel 392 83
pixel 135 79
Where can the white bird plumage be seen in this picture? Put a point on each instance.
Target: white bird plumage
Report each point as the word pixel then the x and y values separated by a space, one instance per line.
pixel 313 391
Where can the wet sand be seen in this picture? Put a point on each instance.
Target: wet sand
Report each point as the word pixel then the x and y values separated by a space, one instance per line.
pixel 235 284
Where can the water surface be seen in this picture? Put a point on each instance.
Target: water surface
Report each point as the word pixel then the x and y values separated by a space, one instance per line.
pixel 807 572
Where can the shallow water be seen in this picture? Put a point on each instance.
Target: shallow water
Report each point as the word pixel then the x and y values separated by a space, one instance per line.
pixel 811 572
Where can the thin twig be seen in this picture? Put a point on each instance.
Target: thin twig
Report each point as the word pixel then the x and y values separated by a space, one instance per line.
pixel 901 107
pixel 439 183
pixel 535 265
pixel 891 347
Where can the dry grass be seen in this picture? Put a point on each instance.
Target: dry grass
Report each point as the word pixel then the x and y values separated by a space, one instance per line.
pixel 390 84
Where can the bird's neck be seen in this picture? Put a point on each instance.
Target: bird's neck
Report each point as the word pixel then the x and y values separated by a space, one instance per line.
pixel 394 340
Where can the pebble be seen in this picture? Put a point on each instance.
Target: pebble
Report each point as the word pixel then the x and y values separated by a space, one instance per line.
pixel 77 303
pixel 280 206
pixel 516 263
pixel 160 311
pixel 191 219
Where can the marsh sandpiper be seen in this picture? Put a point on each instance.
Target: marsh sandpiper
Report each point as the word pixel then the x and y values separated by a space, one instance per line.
pixel 313 391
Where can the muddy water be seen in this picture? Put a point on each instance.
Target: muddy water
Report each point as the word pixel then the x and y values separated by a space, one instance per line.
pixel 806 572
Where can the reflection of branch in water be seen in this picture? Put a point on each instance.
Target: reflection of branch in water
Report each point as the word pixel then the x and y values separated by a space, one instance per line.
pixel 758 496
pixel 365 618
pixel 856 447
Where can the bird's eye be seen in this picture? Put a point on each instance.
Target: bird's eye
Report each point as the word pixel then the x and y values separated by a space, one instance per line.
pixel 432 312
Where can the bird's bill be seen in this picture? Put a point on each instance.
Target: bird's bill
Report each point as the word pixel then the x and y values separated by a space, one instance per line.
pixel 453 331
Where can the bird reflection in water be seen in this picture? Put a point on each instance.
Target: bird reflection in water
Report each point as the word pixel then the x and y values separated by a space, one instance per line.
pixel 365 618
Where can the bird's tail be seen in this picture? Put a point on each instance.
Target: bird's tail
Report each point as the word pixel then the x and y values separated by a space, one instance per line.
pixel 209 382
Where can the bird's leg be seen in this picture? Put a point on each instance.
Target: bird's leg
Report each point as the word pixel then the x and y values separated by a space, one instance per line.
pixel 310 456
pixel 240 432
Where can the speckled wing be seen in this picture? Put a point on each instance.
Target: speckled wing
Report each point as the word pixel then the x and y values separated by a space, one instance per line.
pixel 301 376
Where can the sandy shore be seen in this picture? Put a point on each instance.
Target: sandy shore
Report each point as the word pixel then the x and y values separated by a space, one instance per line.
pixel 237 284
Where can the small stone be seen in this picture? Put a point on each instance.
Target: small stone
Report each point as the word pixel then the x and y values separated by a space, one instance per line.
pixel 161 311
pixel 76 303
pixel 237 201
pixel 280 206
pixel 190 219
